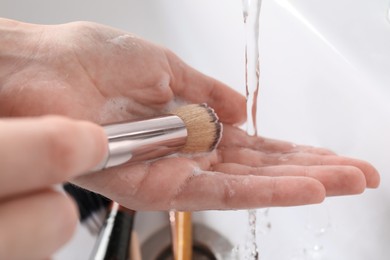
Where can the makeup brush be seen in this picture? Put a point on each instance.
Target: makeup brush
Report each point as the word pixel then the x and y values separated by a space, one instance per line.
pixel 188 129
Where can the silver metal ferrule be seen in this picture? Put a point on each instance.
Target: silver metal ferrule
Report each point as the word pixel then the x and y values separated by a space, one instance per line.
pixel 143 140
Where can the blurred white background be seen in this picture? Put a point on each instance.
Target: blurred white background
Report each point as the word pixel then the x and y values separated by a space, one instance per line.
pixel 325 81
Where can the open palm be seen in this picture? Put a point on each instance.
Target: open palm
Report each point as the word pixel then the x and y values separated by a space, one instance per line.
pixel 92 72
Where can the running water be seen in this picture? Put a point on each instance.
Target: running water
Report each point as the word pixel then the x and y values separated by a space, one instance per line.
pixel 251 13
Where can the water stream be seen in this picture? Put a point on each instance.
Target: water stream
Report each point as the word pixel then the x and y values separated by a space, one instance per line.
pixel 258 220
pixel 251 15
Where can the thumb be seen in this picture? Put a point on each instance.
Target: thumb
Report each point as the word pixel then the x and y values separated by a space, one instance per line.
pixel 38 152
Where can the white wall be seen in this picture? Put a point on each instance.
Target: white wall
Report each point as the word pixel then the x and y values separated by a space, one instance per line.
pixel 325 68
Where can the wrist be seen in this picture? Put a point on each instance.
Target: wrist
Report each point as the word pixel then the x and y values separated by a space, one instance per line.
pixel 18 41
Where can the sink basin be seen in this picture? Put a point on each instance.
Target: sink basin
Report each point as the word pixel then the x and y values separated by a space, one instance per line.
pixel 325 81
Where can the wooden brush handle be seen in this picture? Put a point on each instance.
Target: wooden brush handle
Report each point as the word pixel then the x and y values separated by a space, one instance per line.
pixel 182 242
pixel 135 249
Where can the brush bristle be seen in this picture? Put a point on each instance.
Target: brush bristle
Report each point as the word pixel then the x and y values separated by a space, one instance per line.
pixel 93 207
pixel 203 127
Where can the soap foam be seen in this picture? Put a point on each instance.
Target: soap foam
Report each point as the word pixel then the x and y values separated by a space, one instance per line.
pixel 126 41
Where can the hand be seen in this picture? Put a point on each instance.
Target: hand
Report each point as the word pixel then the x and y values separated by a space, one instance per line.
pixel 97 73
pixel 90 71
pixel 35 154
pixel 244 172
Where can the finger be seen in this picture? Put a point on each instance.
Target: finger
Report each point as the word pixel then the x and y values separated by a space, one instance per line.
pixel 196 87
pixel 223 191
pixel 256 159
pixel 178 183
pixel 235 137
pixel 337 180
pixel 142 186
pixel 51 221
pixel 35 153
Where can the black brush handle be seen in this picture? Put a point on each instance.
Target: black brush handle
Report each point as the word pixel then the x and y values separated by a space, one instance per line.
pixel 88 202
pixel 114 239
pixel 118 246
